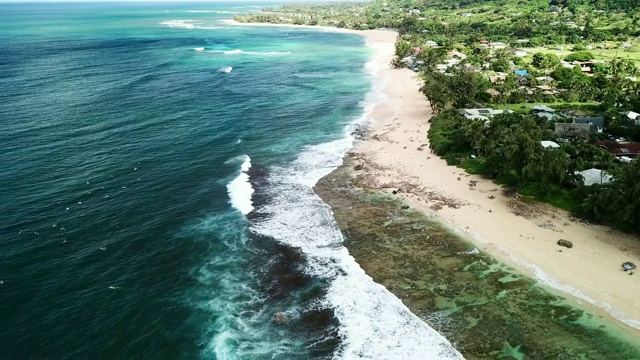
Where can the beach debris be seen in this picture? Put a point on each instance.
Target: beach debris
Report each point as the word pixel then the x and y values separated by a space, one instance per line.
pixel 376 137
pixel 404 207
pixel 491 197
pixel 566 243
pixel 546 226
pixel 420 148
pixel 358 167
pixel 473 251
pixel 280 318
pixel 628 266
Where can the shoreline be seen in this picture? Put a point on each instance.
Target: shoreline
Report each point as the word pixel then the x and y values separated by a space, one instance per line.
pixel 396 156
pixel 521 235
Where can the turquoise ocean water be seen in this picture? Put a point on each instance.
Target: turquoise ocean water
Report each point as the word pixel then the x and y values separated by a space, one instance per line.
pixel 157 169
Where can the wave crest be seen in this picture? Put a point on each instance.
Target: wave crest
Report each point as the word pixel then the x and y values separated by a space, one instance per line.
pixel 181 24
pixel 239 189
pixel 374 324
pixel 238 51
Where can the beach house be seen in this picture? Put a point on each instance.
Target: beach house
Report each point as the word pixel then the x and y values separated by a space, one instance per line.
pixel 549 144
pixel 482 113
pixel 595 176
pixel 497 45
pixel 519 52
pixel 631 117
pixel 596 123
pixel 620 150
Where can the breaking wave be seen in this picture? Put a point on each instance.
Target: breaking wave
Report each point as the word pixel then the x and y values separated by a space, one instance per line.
pixel 239 189
pixel 374 323
pixel 238 51
pixel 180 24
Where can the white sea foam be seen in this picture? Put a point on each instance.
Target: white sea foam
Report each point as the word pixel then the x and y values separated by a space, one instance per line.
pixel 182 24
pixel 374 324
pixel 198 49
pixel 226 69
pixel 211 11
pixel 238 51
pixel 240 189
pixel 188 24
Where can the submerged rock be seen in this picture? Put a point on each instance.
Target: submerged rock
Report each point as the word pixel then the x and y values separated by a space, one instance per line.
pixel 565 243
pixel 280 318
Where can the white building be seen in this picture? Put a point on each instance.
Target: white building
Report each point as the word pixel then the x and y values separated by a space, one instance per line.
pixel 633 116
pixel 595 176
pixel 484 113
pixel 549 144
pixel 519 52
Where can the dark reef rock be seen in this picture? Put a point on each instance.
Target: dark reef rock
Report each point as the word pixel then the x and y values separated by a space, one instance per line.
pixel 566 243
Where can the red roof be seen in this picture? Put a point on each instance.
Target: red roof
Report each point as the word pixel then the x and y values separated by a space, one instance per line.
pixel 417 50
pixel 631 149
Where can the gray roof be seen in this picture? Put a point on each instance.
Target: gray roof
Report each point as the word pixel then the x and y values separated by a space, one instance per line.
pixel 544 108
pixel 593 121
pixel 547 116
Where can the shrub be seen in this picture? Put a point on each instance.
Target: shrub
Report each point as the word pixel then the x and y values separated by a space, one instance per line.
pixel 580 56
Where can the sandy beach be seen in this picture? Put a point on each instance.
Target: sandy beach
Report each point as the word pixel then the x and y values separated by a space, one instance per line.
pixel 395 155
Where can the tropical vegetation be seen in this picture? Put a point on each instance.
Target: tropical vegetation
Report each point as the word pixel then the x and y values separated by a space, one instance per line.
pixel 578 53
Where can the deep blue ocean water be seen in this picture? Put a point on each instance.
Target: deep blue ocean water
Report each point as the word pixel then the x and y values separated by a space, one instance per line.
pixel 157 168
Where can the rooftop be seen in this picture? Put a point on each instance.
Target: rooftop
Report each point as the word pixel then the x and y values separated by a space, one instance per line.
pixel 544 108
pixel 595 176
pixel 549 144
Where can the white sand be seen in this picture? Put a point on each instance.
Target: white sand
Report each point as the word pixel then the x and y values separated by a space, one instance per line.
pixel 591 271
